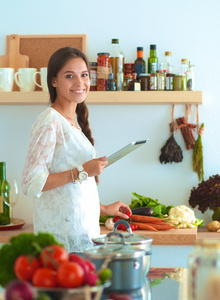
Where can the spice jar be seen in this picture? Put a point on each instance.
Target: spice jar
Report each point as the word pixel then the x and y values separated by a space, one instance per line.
pixel 153 82
pixel 128 70
pixel 161 81
pixel 179 82
pixel 169 82
pixel 204 270
pixel 145 81
pixel 93 76
pixel 103 70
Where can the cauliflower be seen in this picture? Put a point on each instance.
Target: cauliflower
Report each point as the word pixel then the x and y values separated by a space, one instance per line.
pixel 182 215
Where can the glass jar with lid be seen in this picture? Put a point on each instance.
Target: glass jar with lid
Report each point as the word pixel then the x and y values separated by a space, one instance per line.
pixel 103 70
pixel 93 76
pixel 204 270
pixel 179 82
pixel 145 81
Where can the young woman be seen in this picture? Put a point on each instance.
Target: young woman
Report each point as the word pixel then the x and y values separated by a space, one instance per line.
pixel 61 169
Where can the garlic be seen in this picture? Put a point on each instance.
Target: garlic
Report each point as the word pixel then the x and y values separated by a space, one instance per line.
pixel 109 224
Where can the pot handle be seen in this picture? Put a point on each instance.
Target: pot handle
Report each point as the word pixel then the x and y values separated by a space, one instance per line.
pixel 148 252
pixel 117 234
pixel 124 223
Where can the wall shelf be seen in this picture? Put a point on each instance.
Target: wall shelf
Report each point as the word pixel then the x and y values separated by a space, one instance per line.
pixel 108 98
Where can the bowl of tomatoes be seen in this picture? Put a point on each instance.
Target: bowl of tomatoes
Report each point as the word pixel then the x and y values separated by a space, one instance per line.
pixel 56 274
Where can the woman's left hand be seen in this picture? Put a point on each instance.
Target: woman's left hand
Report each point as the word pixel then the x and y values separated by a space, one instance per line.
pixel 116 209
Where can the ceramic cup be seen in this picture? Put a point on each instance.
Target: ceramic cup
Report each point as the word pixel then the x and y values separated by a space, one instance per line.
pixel 6 79
pixel 24 79
pixel 43 79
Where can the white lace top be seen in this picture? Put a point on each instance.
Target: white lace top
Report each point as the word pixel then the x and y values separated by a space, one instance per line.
pixel 70 212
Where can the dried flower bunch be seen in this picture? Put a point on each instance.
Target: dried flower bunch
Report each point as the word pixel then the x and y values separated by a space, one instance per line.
pixel 206 195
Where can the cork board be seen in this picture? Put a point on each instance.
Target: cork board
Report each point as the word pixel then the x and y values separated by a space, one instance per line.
pixel 39 48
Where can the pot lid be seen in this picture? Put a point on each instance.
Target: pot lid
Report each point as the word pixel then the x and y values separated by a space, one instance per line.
pixel 118 250
pixel 129 237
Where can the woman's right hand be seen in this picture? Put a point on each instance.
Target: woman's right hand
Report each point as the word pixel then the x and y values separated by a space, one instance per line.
pixel 95 166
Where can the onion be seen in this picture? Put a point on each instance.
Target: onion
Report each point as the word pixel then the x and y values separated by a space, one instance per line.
pixel 19 290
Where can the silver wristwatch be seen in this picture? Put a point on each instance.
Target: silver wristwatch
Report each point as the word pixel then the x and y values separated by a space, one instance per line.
pixel 83 175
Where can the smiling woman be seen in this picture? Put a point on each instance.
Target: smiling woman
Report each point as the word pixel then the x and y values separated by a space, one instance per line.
pixel 62 168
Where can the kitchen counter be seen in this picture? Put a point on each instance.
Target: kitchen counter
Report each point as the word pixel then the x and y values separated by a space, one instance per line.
pixel 168 237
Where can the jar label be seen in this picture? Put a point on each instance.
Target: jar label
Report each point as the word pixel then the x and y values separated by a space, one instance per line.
pixel 153 67
pixel 153 83
pixel 1 204
pixel 103 72
pixel 169 83
pixel 120 80
pixel 161 83
pixel 93 78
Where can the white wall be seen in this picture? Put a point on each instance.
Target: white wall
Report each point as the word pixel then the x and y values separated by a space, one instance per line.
pixel 190 29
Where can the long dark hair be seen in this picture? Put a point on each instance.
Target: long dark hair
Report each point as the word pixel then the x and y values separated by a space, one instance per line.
pixel 55 64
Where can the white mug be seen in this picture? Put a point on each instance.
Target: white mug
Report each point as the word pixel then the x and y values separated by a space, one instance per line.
pixel 24 79
pixel 43 79
pixel 6 79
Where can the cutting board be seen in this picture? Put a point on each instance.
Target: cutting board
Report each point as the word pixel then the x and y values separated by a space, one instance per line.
pixel 13 58
pixel 176 237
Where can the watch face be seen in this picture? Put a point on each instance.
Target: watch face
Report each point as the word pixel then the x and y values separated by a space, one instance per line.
pixel 83 176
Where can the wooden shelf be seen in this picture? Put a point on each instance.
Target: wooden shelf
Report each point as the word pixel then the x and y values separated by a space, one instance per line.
pixel 108 98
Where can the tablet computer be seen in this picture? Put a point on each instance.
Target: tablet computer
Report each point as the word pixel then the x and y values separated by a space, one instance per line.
pixel 124 151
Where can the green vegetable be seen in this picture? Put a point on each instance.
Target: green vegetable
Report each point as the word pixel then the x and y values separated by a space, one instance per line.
pixel 159 209
pixel 198 155
pixel 199 222
pixel 103 219
pixel 23 244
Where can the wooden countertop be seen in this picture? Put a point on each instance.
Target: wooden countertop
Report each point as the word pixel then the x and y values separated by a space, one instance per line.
pixel 170 237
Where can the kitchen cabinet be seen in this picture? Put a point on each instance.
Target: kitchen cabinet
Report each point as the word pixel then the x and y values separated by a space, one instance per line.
pixel 108 98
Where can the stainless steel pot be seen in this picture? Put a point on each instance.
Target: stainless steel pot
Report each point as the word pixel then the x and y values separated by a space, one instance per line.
pixel 139 241
pixel 125 261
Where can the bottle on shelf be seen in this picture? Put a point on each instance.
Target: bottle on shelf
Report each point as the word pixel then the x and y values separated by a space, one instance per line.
pixel 117 63
pixel 135 84
pixel 161 78
pixel 190 78
pixel 5 212
pixel 153 60
pixel 184 65
pixel 139 63
pixel 168 66
pixel 111 83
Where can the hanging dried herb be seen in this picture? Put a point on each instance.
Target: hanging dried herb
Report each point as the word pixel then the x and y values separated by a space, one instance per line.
pixel 198 155
pixel 186 130
pixel 171 151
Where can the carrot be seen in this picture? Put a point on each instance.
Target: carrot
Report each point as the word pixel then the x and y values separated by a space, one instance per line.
pixel 146 226
pixel 147 219
pixel 165 226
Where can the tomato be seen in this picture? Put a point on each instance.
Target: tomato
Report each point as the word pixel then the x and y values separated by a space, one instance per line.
pixel 132 227
pixel 129 213
pixel 54 255
pixel 124 228
pixel 25 266
pixel 45 277
pixel 91 265
pixel 116 218
pixel 135 226
pixel 70 275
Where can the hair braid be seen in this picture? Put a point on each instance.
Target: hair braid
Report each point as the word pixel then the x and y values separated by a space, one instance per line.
pixel 82 113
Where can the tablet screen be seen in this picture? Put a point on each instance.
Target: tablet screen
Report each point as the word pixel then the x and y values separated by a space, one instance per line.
pixel 124 151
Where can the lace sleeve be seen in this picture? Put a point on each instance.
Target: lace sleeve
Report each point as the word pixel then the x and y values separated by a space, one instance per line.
pixel 38 160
